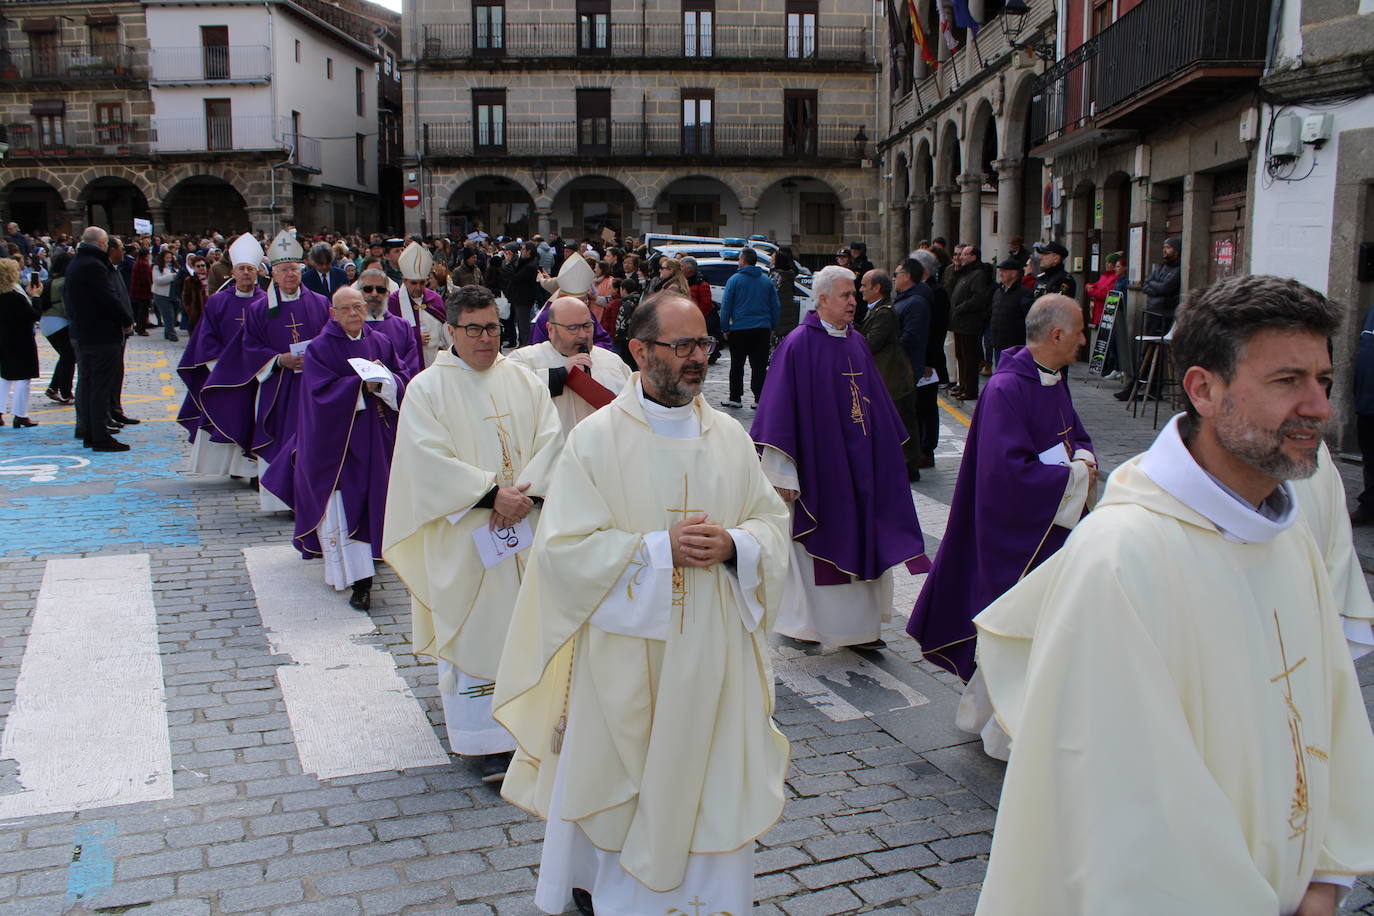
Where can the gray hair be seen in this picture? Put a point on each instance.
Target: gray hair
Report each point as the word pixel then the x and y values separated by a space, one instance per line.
pixel 928 260
pixel 321 253
pixel 93 235
pixel 373 272
pixel 824 280
pixel 1050 312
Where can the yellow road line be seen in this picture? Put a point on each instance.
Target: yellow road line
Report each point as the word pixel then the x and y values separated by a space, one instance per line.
pixel 165 376
pixel 955 412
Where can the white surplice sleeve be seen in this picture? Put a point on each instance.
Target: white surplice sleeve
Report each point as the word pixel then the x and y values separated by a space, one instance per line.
pixel 1078 490
pixel 780 470
pixel 641 605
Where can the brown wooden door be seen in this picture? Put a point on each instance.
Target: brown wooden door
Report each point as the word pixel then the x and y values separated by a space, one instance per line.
pixel 214 45
pixel 219 124
pixel 1227 227
pixel 799 122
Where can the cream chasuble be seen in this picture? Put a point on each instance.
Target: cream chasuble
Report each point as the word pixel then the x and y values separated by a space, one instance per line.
pixel 608 370
pixel 665 702
pixel 1189 734
pixel 460 433
pixel 412 311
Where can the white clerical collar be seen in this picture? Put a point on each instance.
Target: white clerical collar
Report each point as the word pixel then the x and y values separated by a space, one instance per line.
pixel 671 422
pixel 381 317
pixel 359 337
pixel 832 330
pixel 248 295
pixel 288 298
pixel 1048 377
pixel 1169 464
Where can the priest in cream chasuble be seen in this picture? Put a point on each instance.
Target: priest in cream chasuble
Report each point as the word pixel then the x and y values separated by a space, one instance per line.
pixel 636 676
pixel 1188 733
pixel 476 441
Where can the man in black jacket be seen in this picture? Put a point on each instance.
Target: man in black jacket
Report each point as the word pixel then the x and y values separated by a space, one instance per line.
pixel 101 320
pixel 1162 290
pixel 1011 302
pixel 970 302
pixel 1053 278
pixel 520 278
pixel 928 382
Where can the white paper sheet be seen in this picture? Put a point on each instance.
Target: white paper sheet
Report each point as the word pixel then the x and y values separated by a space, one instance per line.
pixel 298 349
pixel 369 371
pixel 497 544
pixel 1055 454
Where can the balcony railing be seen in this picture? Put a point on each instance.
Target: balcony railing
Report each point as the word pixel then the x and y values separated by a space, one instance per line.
pixel 455 41
pixel 306 157
pixel 67 62
pixel 388 91
pixel 210 63
pixel 1127 62
pixel 656 139
pixel 235 133
pixel 104 139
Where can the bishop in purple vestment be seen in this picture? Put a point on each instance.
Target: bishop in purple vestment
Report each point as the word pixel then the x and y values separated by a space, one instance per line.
pixel 831 442
pixel 403 339
pixel 262 366
pixel 419 306
pixel 1027 475
pixel 334 471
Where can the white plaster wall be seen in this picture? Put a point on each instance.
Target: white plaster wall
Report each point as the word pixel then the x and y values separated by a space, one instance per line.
pixel 1291 226
pixel 171 27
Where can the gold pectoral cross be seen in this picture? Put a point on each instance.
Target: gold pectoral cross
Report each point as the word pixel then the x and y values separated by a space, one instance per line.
pixel 856 406
pixel 295 325
pixel 679 573
pixel 503 435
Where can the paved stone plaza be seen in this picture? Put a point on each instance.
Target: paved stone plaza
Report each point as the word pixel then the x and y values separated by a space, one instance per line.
pixel 236 806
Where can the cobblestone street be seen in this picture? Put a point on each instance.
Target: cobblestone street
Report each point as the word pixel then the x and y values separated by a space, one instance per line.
pixel 234 804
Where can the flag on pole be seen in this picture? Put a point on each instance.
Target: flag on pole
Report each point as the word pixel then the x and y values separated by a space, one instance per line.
pixel 920 34
pixel 963 17
pixel 944 25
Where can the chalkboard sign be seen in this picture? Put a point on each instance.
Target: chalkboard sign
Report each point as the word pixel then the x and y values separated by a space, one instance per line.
pixel 1104 333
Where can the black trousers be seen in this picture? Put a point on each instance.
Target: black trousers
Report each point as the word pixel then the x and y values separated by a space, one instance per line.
pixel 751 344
pixel 65 369
pixel 928 417
pixel 968 352
pixel 99 367
pixel 117 387
pixel 1364 431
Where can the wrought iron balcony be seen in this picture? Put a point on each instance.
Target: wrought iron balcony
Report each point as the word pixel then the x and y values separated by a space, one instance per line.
pixel 27 141
pixel 459 44
pixel 841 143
pixel 1161 58
pixel 236 134
pixel 388 91
pixel 72 62
pixel 210 64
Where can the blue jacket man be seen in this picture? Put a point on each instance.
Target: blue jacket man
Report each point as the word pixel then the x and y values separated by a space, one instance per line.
pixel 749 311
pixel 913 305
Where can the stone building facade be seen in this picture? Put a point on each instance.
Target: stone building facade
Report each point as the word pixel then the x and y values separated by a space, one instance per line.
pixel 706 117
pixel 120 110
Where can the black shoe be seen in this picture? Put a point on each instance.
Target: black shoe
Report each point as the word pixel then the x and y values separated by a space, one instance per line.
pixel 583 901
pixel 81 434
pixel 110 445
pixel 23 423
pixel 362 594
pixel 876 645
pixel 492 767
pixel 114 427
pixel 141 332
pixel 1123 395
pixel 127 421
pixel 53 395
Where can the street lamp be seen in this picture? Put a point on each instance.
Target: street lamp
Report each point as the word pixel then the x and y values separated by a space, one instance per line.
pixel 1015 13
pixel 540 173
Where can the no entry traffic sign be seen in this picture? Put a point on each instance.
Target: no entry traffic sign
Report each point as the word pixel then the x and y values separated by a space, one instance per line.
pixel 410 197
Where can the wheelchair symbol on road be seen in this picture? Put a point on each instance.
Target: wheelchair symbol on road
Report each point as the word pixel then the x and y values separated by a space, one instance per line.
pixel 41 473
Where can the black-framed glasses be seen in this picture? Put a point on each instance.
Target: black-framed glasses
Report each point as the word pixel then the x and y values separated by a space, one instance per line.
pixel 373 289
pixel 584 327
pixel 685 348
pixel 477 330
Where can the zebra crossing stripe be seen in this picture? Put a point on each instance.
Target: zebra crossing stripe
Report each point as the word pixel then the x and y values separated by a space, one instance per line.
pixel 88 727
pixel 350 711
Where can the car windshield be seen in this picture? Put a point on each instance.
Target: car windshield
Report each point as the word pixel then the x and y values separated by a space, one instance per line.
pixel 717 274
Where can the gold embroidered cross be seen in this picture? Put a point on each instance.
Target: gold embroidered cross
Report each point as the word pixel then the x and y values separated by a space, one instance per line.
pixel 295 325
pixel 503 435
pixel 679 573
pixel 696 903
pixel 1300 806
pixel 856 407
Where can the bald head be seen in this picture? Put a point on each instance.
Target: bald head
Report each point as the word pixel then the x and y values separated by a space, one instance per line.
pixel 96 236
pixel 571 326
pixel 1054 330
pixel 349 310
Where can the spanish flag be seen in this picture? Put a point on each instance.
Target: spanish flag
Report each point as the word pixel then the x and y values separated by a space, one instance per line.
pixel 920 34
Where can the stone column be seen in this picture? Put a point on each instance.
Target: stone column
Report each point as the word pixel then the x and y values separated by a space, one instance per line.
pixel 1010 200
pixel 971 208
pixel 159 215
pixel 645 218
pixel 896 234
pixel 918 224
pixel 1196 255
pixel 750 216
pixel 76 217
pixel 543 218
pixel 942 215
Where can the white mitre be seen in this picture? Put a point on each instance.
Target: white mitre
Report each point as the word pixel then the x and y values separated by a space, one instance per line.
pixel 415 262
pixel 245 250
pixel 285 249
pixel 574 277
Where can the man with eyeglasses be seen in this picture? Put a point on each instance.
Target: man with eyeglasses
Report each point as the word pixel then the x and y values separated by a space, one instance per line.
pixel 372 284
pixel 831 442
pixel 340 456
pixel 477 441
pixel 635 675
pixel 263 367
pixel 581 377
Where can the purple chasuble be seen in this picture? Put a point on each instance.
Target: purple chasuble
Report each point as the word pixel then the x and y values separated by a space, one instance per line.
pixel 234 384
pixel 336 446
pixel 432 302
pixel 219 322
pixel 825 406
pixel 403 340
pixel 539 332
pixel 1001 521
